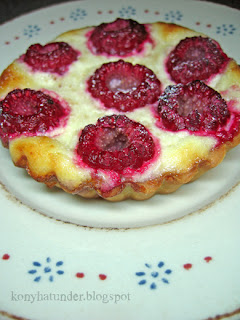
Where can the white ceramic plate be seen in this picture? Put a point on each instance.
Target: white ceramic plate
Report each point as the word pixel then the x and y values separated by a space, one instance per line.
pixel 173 257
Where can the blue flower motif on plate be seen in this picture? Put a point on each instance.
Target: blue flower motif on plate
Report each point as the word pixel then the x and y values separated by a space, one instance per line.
pixel 31 30
pixel 47 269
pixel 225 29
pixel 173 16
pixel 78 14
pixel 154 275
pixel 127 12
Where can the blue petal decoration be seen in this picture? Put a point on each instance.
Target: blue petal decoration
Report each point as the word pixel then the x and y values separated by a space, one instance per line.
pixel 47 269
pixel 60 272
pixel 153 285
pixel 165 280
pixel 154 274
pixel 37 279
pixel 168 271
pixel 32 271
pixel 37 264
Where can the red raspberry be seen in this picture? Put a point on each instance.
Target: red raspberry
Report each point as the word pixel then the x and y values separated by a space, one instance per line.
pixel 29 112
pixel 194 107
pixel 121 38
pixel 53 57
pixel 125 87
pixel 115 143
pixel 195 58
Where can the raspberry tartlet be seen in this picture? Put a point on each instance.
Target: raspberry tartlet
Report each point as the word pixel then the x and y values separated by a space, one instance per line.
pixel 122 110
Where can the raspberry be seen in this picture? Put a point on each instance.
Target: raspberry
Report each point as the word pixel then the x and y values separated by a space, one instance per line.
pixel 29 112
pixel 115 143
pixel 121 38
pixel 195 58
pixel 123 86
pixel 194 106
pixel 53 57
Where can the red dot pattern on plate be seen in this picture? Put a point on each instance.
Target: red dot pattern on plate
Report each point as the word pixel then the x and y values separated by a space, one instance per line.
pixel 208 259
pixel 6 256
pixel 208 25
pixel 80 275
pixel 187 266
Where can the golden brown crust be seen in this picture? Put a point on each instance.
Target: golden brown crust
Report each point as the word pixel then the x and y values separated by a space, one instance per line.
pixel 171 32
pixel 14 77
pixel 48 160
pixel 42 159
